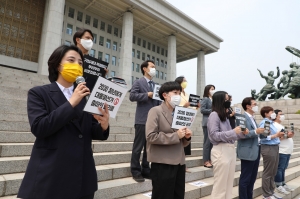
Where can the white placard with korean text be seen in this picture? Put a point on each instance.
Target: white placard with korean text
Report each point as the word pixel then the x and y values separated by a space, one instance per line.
pixel 183 117
pixel 108 92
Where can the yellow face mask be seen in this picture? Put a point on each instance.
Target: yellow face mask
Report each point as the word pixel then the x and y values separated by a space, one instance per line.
pixel 184 85
pixel 70 71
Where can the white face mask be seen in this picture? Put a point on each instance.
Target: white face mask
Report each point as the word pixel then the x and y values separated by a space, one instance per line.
pixel 87 44
pixel 255 109
pixel 282 117
pixel 175 100
pixel 273 116
pixel 152 72
pixel 212 92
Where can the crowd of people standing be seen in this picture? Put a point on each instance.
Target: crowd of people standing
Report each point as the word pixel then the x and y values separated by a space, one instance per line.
pixel 56 118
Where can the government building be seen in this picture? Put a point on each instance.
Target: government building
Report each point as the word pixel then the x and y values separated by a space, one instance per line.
pixel 126 32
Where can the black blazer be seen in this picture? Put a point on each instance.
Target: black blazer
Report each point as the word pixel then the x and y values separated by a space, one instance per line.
pixel 61 165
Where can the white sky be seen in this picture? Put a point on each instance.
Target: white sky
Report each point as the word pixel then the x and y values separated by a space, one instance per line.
pixel 255 34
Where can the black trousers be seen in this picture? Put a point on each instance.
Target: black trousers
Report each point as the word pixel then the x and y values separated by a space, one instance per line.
pixel 248 176
pixel 138 145
pixel 168 181
pixel 188 150
pixel 91 196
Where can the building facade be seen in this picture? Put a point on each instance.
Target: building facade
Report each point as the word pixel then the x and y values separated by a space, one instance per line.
pixel 126 32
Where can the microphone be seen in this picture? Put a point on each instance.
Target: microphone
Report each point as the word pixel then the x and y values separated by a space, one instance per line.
pixel 79 80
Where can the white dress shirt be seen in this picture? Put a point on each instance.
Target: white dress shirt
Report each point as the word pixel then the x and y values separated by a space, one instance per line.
pixel 254 124
pixel 68 92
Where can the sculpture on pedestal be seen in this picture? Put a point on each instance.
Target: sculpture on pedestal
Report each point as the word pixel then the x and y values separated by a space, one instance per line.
pixel 290 82
pixel 269 87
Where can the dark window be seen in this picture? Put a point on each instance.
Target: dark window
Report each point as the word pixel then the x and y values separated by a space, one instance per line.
pixel 95 23
pixel 109 28
pixel 153 47
pixel 79 16
pixel 71 12
pixel 102 26
pixel 116 32
pixel 87 19
pixel 101 41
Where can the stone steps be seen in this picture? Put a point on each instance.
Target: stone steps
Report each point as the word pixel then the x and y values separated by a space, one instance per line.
pixel 112 172
pixel 24 149
pixel 193 192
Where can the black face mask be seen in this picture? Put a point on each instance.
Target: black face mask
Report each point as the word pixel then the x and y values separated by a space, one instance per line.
pixel 227 104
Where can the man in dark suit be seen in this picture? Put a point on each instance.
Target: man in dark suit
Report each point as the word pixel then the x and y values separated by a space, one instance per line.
pixel 248 150
pixel 142 93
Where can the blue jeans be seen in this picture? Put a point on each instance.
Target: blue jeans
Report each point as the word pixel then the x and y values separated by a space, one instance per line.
pixel 282 165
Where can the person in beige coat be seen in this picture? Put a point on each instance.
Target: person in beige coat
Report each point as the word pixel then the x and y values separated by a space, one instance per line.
pixel 165 146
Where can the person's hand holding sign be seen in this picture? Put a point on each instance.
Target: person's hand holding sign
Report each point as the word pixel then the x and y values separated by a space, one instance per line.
pixel 188 133
pixel 186 105
pixel 181 132
pixel 104 118
pixel 150 94
pixel 80 92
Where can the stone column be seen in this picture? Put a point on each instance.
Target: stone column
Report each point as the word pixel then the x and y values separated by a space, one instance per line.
pixel 171 68
pixel 200 73
pixel 126 48
pixel 51 32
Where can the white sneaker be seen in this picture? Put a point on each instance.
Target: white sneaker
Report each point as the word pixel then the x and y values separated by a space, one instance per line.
pixel 269 197
pixel 280 189
pixel 287 188
pixel 276 196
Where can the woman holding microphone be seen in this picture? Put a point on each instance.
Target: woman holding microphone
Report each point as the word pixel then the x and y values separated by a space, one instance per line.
pixel 61 163
pixel 222 136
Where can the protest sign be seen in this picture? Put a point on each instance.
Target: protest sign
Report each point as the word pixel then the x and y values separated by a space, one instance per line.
pixel 194 100
pixel 183 117
pixel 237 110
pixel 92 69
pixel 155 92
pixel 240 120
pixel 198 183
pixel 266 131
pixel 105 92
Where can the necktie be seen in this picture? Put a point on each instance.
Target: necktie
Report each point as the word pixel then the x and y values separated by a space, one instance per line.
pixel 151 85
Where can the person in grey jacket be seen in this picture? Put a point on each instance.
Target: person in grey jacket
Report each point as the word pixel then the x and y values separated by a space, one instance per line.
pixel 248 150
pixel 206 103
pixel 142 93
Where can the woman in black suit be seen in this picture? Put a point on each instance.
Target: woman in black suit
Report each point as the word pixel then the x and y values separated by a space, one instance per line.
pixel 61 163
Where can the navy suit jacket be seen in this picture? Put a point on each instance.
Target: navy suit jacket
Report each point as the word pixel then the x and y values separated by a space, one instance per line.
pixel 139 93
pixel 61 163
pixel 248 147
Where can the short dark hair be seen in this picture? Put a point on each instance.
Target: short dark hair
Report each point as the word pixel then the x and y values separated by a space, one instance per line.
pixel 247 101
pixel 80 33
pixel 276 111
pixel 167 87
pixel 206 90
pixel 264 110
pixel 218 100
pixel 179 79
pixel 56 57
pixel 145 64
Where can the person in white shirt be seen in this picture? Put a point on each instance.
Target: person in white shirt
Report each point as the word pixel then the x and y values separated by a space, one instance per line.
pixel 285 151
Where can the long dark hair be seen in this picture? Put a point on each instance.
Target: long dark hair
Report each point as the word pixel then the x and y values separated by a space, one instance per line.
pixel 206 90
pixel 218 100
pixel 56 57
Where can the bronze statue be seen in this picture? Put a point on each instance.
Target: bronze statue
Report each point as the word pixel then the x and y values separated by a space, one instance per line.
pixel 290 82
pixel 294 84
pixel 269 87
